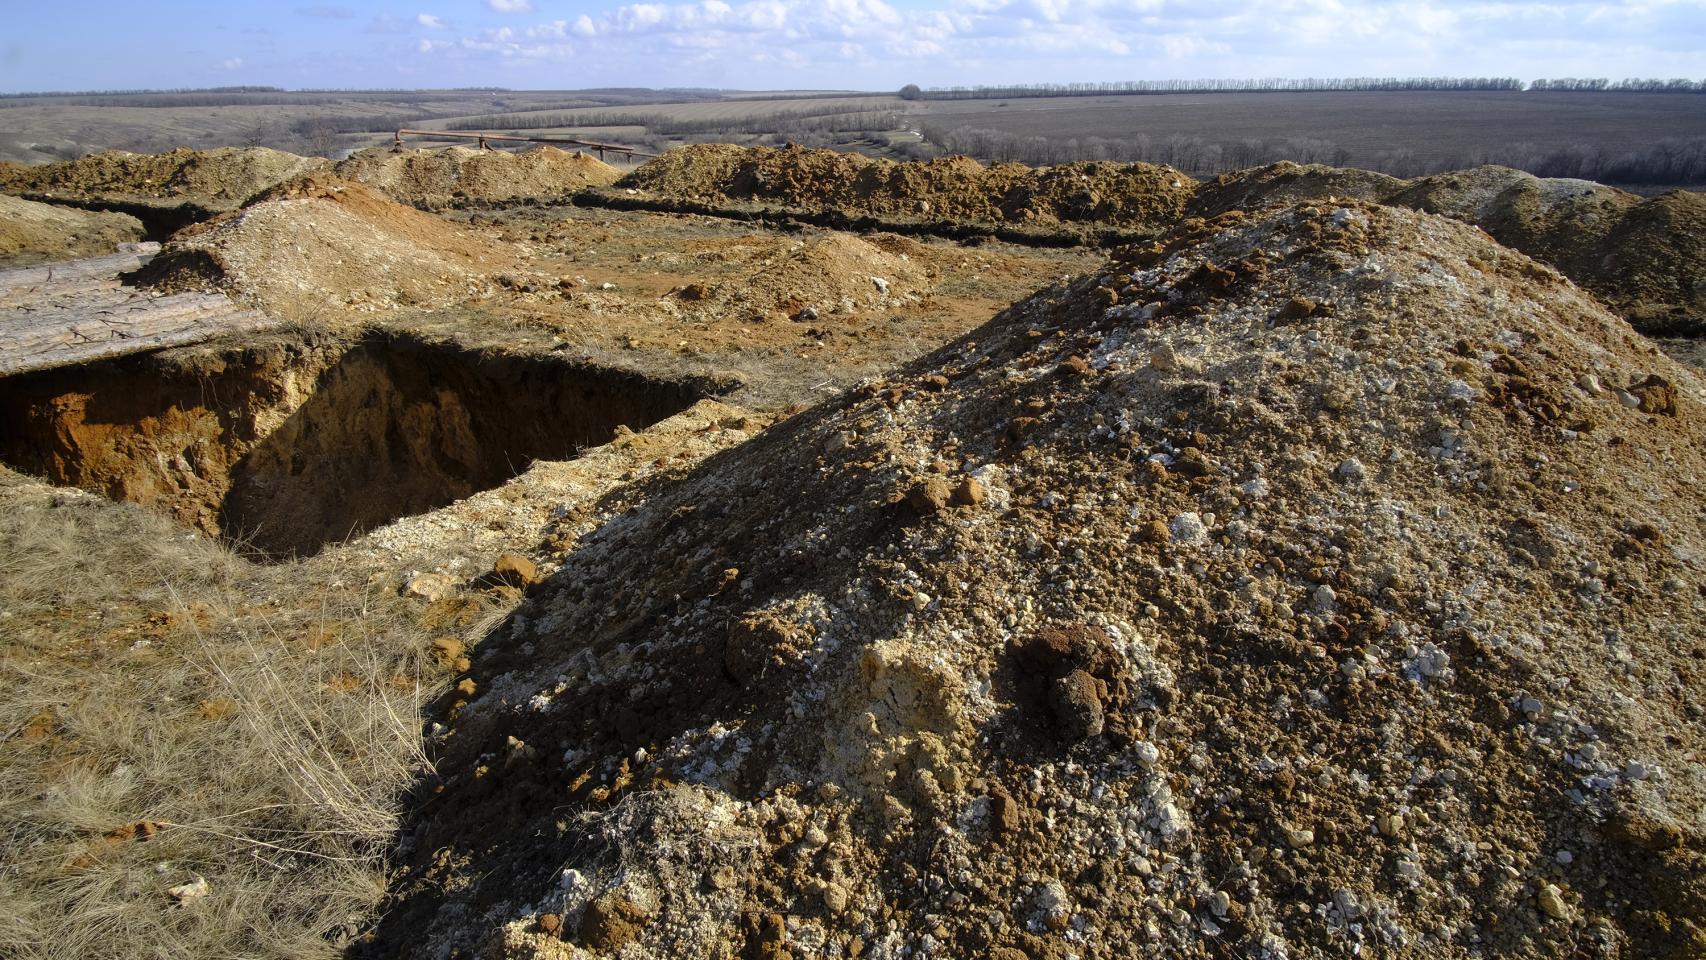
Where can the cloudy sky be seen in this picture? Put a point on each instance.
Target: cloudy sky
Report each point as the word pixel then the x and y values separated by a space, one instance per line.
pixel 844 44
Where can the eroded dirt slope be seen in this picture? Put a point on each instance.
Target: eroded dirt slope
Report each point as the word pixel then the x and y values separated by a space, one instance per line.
pixel 1326 581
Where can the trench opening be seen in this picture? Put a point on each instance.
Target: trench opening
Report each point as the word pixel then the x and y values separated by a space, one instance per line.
pixel 285 449
pixel 159 220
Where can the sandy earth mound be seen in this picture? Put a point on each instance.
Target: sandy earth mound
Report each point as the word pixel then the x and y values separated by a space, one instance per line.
pixel 1642 257
pixel 460 173
pixel 218 179
pixel 39 232
pixel 320 242
pixel 1286 182
pixel 830 275
pixel 1324 582
pixel 1138 196
pixel 1652 267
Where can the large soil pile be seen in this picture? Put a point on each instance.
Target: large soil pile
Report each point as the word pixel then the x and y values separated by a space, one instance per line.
pixel 820 277
pixel 1329 581
pixel 1642 257
pixel 1137 196
pixel 460 174
pixel 38 232
pixel 320 242
pixel 1285 182
pixel 218 179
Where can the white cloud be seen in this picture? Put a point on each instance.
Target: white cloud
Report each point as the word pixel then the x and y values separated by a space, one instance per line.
pixel 429 21
pixel 884 43
pixel 235 63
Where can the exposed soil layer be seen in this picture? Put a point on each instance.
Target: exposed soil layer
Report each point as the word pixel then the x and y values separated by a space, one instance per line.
pixel 458 175
pixel 1329 581
pixel 1641 256
pixel 1134 195
pixel 40 233
pixel 319 243
pixel 289 446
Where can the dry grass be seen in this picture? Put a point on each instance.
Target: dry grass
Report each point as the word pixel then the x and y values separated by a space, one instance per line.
pixel 259 727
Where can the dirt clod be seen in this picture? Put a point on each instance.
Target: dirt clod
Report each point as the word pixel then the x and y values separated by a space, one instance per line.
pixel 515 570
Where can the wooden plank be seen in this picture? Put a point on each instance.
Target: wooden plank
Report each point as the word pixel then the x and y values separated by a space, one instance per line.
pixel 72 313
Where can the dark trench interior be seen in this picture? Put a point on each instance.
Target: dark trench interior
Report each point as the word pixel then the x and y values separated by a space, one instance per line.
pixel 390 426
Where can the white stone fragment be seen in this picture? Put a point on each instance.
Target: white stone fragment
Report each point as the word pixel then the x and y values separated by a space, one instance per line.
pixel 1187 528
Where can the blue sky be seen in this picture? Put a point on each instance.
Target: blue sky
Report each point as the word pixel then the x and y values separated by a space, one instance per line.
pixel 862 44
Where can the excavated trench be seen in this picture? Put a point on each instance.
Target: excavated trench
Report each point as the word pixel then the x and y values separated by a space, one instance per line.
pixel 285 448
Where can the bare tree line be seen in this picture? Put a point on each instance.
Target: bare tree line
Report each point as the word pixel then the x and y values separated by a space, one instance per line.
pixel 1264 85
pixel 1299 85
pixel 1601 85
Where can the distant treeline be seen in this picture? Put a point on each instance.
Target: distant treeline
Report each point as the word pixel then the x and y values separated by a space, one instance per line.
pixel 1299 85
pixel 1601 85
pixel 1674 161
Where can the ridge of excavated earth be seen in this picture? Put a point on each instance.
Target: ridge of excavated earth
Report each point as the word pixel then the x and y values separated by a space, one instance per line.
pixel 1136 195
pixel 1324 581
pixel 439 177
pixel 218 179
pixel 1640 255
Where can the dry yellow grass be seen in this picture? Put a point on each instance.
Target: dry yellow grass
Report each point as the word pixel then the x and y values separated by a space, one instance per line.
pixel 177 713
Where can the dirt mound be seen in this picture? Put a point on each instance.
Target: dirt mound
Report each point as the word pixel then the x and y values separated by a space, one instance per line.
pixel 460 173
pixel 1287 182
pixel 319 243
pixel 828 275
pixel 40 233
pixel 1641 256
pixel 1137 196
pixel 1324 582
pixel 218 179
pixel 1652 266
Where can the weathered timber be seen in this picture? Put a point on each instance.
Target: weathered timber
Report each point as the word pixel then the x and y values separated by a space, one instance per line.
pixel 65 314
